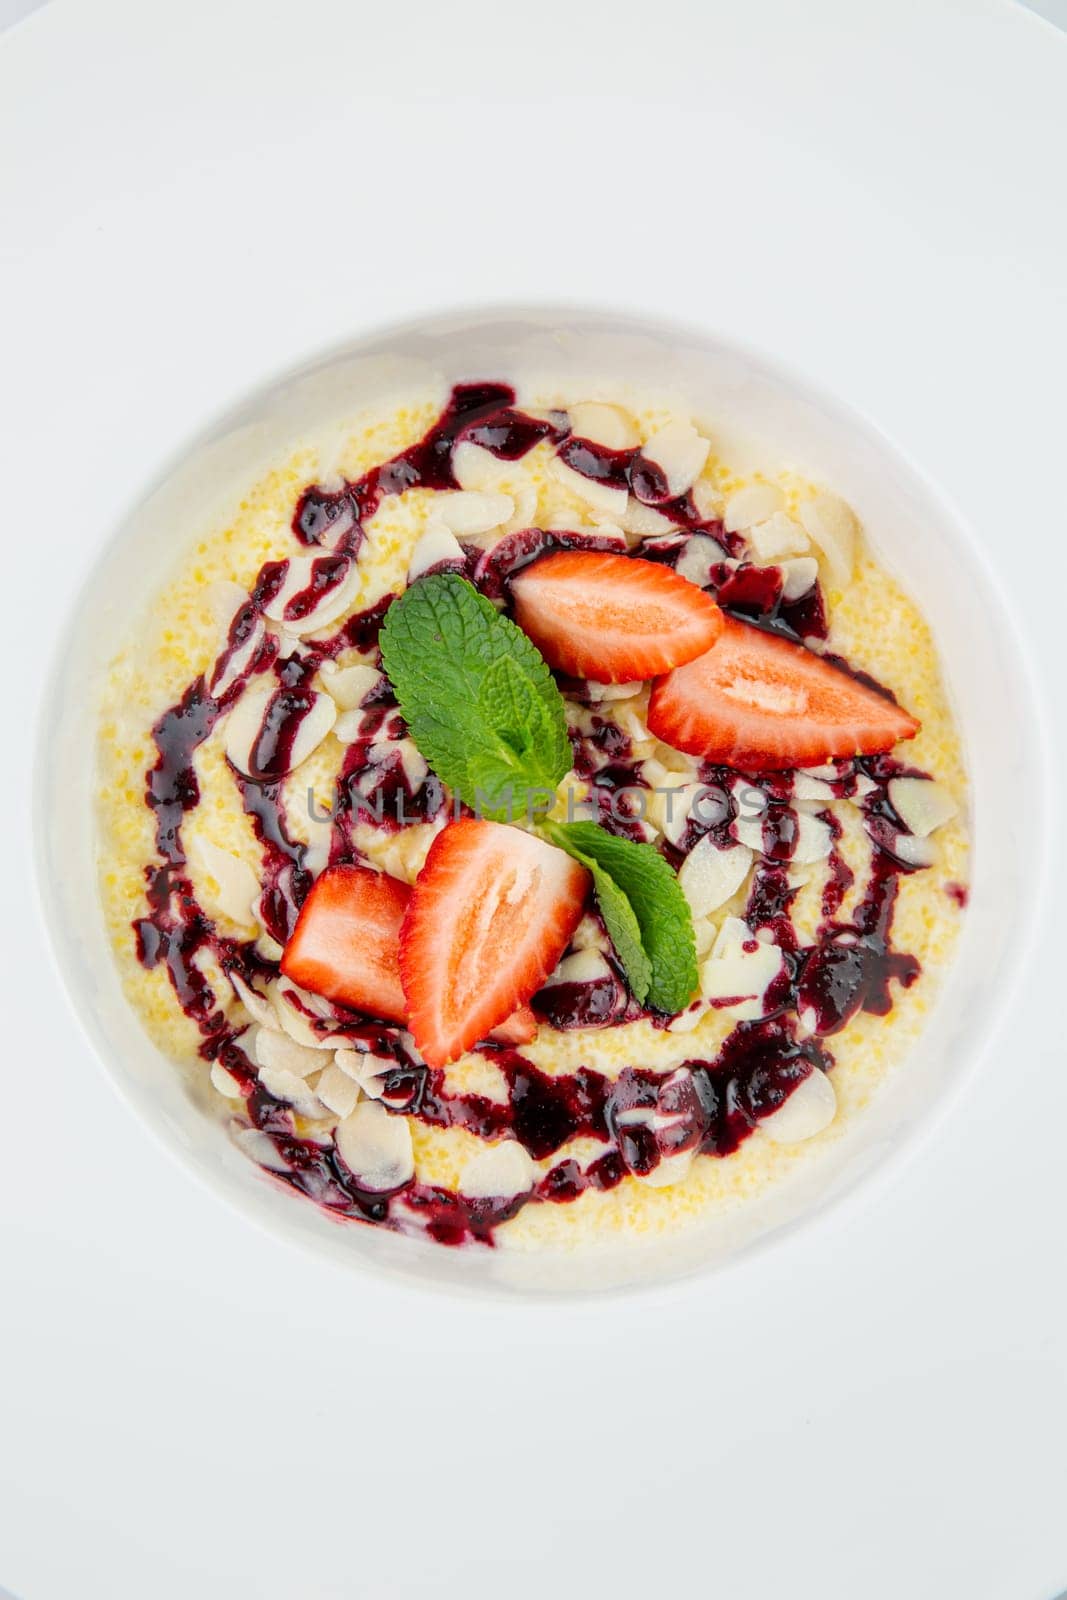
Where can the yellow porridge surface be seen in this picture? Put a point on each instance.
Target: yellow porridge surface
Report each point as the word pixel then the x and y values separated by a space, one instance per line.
pixel 181 634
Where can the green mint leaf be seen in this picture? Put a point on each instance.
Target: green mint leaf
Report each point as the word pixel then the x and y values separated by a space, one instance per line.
pixel 636 889
pixel 479 700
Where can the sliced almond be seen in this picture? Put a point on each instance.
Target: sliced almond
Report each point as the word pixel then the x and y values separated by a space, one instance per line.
pixel 603 497
pixel 737 977
pixel 225 1082
pixel 298 578
pixel 709 876
pixel 290 1088
pixel 670 1171
pixel 809 1109
pixel 639 521
pixel 914 852
pixel 437 545
pixel 476 468
pixel 289 1004
pixel 921 804
pixel 499 1172
pixel 227 883
pixel 604 424
pixel 277 1052
pixel 701 553
pixel 348 687
pixel 584 966
pixel 687 1020
pixel 257 1005
pixel 832 525
pixel 679 452
pixel 805 787
pixel 708 500
pixel 799 575
pixel 375 1146
pixel 260 1148
pixel 813 839
pixel 237 662
pixel 468 511
pixel 777 538
pixel 337 1091
pixel 244 724
pixel 756 503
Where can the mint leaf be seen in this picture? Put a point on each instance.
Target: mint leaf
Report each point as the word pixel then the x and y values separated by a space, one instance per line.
pixel 481 704
pixel 636 890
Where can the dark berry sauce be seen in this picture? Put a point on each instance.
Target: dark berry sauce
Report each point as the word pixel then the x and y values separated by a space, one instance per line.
pixel 642 1117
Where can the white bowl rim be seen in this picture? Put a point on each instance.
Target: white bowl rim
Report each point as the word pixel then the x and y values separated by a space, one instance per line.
pixel 839 1209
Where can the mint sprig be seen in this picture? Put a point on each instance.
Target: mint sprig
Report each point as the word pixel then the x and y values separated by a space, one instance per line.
pixel 644 911
pixel 487 715
pixel 481 704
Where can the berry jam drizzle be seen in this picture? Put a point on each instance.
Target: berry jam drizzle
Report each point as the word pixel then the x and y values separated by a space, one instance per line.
pixel 642 1117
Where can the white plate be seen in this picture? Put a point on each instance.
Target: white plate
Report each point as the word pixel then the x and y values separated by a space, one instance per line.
pixel 204 199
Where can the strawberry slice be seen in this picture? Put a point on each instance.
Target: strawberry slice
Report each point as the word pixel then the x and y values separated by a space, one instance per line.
pixel 759 702
pixel 345 942
pixel 492 911
pixel 346 947
pixel 612 618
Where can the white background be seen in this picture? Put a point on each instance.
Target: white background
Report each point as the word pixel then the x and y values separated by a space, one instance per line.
pixel 190 199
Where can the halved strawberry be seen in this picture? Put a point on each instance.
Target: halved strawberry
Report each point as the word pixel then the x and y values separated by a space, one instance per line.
pixel 346 947
pixel 759 702
pixel 612 618
pixel 492 911
pixel 345 942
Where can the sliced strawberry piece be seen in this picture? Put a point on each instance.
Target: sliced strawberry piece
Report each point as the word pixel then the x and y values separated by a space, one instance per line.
pixel 759 702
pixel 346 939
pixel 612 618
pixel 519 1028
pixel 492 911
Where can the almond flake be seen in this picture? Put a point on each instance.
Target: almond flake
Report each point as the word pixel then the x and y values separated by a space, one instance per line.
pixel 669 1171
pixel 436 546
pixel 798 576
pixel 299 578
pixel 809 1109
pixel 813 839
pixel 914 852
pixel 337 1091
pixel 260 1148
pixel 277 1052
pixel 746 507
pixel 468 511
pixel 639 521
pixel 476 468
pixel 500 1172
pixel 832 525
pixel 709 876
pixel 738 977
pixel 603 497
pixel 921 804
pixel 348 687
pixel 701 553
pixel 778 537
pixel 245 721
pixel 225 1082
pixel 679 452
pixel 604 424
pixel 375 1146
pixel 257 1005
pixel 585 966
pixel 232 886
